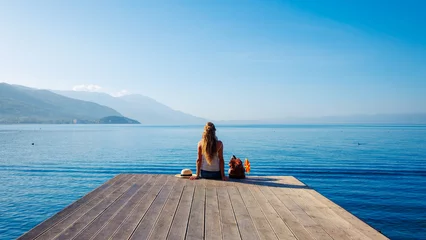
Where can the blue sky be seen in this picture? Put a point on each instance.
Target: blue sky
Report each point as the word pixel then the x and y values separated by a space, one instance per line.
pixel 225 60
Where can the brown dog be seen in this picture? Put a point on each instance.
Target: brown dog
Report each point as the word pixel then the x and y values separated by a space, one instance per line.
pixel 236 168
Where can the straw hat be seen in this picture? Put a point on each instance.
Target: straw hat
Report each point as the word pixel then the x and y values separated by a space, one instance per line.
pixel 185 173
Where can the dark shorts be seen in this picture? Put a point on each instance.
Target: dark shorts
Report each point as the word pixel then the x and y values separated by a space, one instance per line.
pixel 210 174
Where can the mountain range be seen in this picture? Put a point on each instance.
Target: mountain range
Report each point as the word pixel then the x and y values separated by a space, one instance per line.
pixel 139 107
pixel 408 118
pixel 19 104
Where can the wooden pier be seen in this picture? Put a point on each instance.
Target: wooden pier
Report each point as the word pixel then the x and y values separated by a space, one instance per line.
pixel 140 206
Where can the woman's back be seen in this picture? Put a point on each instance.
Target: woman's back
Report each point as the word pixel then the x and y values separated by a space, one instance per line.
pixel 214 164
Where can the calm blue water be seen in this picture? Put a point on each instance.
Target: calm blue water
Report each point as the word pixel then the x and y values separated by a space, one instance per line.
pixel 382 180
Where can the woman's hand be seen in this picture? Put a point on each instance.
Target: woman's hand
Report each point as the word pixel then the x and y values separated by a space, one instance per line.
pixel 194 177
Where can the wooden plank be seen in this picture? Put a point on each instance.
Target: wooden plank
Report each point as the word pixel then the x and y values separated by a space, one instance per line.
pixel 333 224
pixel 113 224
pixel 227 217
pixel 131 222
pixel 289 219
pixel 180 220
pixel 70 209
pixel 248 199
pixel 335 231
pixel 98 224
pixel 244 221
pixel 350 218
pixel 260 221
pixel 279 226
pixel 161 228
pixel 109 205
pixel 212 220
pixel 107 196
pixel 236 183
pixel 221 183
pixel 290 180
pixel 230 183
pixel 201 182
pixel 148 221
pixel 327 215
pixel 196 216
pixel 313 227
pixel 212 183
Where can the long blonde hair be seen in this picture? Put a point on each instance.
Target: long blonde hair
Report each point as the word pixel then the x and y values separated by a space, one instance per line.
pixel 209 142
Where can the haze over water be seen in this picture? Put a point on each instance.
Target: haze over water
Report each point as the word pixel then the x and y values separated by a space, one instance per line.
pixel 376 172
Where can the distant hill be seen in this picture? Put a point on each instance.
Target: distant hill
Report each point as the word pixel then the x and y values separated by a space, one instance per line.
pixel 19 104
pixel 144 109
pixel 402 118
pixel 117 120
pixel 412 118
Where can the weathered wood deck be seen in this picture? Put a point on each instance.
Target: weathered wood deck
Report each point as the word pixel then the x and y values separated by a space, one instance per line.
pixel 135 206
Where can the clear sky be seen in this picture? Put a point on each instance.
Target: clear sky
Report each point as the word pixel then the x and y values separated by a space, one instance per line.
pixel 224 60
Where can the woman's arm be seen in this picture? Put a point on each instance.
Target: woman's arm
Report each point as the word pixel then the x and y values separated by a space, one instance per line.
pixel 221 162
pixel 198 163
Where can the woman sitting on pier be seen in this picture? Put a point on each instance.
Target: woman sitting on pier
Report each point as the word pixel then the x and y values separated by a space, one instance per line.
pixel 210 163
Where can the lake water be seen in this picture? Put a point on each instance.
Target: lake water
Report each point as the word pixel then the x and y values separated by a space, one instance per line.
pixel 376 172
